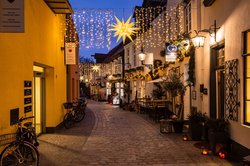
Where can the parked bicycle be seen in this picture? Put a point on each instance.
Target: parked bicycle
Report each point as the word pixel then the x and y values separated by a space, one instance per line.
pixel 75 113
pixel 22 149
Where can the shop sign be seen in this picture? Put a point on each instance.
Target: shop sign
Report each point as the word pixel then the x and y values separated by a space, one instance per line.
pixel 70 52
pixel 171 53
pixel 11 16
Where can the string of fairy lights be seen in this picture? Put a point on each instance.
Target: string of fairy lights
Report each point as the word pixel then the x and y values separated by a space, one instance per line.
pixel 92 27
pixel 157 25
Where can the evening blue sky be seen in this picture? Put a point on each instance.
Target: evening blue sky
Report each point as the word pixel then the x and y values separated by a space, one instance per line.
pixel 122 8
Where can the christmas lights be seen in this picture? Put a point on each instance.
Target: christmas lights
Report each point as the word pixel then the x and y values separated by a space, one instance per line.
pixel 124 29
pixel 92 27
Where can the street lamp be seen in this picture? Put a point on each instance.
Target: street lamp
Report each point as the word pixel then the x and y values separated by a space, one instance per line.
pixel 142 57
pixel 199 40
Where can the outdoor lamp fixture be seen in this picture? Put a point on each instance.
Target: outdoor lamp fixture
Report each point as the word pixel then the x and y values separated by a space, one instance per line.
pixel 199 40
pixel 142 57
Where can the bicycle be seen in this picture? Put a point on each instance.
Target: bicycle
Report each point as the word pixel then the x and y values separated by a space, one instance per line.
pixel 22 150
pixel 75 113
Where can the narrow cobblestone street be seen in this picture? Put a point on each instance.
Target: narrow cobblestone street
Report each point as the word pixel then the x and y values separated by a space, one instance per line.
pixel 111 136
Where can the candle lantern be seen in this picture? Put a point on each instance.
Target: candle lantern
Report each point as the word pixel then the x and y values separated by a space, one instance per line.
pixel 205 151
pixel 223 154
pixel 185 137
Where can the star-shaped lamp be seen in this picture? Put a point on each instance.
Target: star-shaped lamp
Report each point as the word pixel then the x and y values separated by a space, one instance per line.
pixel 95 68
pixel 124 29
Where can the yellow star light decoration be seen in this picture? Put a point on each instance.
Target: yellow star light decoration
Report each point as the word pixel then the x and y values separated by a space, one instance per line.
pixel 96 68
pixel 124 29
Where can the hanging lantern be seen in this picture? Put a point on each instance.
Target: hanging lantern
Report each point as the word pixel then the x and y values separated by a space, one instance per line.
pixel 198 41
pixel 142 56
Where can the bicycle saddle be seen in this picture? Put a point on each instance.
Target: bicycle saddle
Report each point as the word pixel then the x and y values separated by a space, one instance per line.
pixel 27 124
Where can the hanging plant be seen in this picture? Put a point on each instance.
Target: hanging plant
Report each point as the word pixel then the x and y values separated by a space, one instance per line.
pixel 140 68
pixel 141 76
pixel 148 77
pixel 191 67
pixel 161 71
pixel 183 45
pixel 132 70
pixel 157 63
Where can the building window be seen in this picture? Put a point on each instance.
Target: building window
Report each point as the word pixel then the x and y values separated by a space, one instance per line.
pixel 134 54
pixel 220 61
pixel 188 17
pixel 246 54
pixel 128 61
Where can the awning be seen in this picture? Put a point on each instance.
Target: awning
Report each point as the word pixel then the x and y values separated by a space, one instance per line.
pixel 157 80
pixel 59 6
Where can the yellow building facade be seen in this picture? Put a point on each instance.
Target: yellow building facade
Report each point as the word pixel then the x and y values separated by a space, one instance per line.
pixel 33 70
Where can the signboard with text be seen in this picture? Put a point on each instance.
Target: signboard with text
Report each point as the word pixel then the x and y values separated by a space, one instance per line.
pixel 11 16
pixel 70 52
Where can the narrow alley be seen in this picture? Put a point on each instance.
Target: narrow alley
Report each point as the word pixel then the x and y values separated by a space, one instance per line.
pixel 111 136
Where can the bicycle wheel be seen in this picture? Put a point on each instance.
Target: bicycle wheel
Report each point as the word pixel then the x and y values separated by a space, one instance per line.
pixel 20 154
pixel 79 115
pixel 68 120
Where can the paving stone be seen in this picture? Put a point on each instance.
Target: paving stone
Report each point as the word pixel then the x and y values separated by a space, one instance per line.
pixel 111 136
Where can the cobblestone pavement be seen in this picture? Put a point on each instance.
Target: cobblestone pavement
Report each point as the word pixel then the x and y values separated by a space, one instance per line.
pixel 111 136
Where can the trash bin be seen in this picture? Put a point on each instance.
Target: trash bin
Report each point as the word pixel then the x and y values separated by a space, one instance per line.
pixel 166 126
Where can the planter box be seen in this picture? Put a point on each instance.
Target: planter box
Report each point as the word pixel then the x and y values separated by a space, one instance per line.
pixel 196 131
pixel 178 126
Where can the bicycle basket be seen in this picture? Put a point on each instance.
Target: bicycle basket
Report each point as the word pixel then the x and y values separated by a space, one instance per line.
pixel 7 138
pixel 68 105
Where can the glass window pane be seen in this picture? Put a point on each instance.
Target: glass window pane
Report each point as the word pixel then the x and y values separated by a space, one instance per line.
pixel 247 89
pixel 248 43
pixel 247 109
pixel 247 66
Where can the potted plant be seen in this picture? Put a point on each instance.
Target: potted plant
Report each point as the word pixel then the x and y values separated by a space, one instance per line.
pixel 158 92
pixel 178 121
pixel 217 133
pixel 197 120
pixel 174 86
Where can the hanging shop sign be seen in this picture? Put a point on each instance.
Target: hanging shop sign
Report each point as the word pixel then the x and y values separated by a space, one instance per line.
pixel 70 53
pixel 171 53
pixel 12 16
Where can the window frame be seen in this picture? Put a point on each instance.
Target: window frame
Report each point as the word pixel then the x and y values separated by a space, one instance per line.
pixel 245 56
pixel 188 17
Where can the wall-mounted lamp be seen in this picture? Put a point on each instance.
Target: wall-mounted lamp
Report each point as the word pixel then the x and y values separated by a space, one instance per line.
pixel 142 57
pixel 199 40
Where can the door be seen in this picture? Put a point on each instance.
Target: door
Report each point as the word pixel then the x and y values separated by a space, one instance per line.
pixel 38 99
pixel 220 74
pixel 217 83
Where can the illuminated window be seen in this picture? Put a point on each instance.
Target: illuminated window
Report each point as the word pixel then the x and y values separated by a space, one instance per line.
pixel 246 54
pixel 188 17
